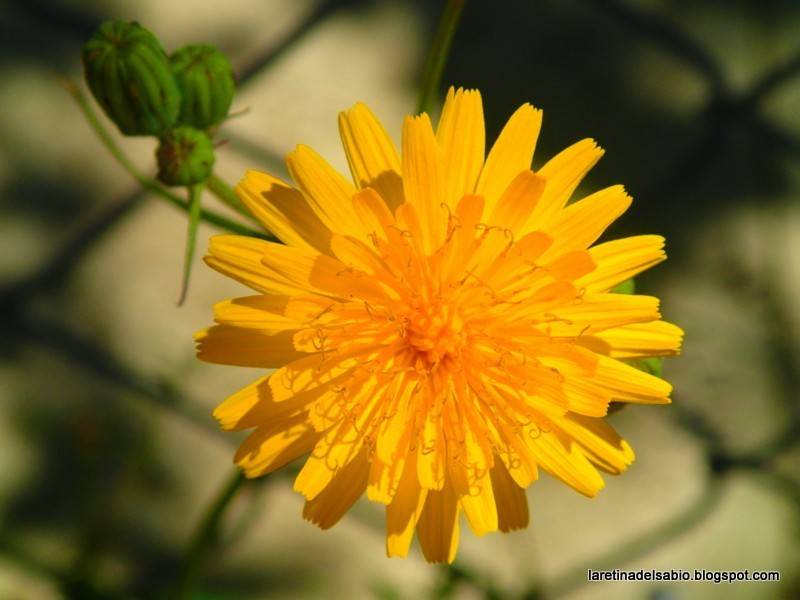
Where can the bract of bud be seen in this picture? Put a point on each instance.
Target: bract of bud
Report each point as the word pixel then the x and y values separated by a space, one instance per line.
pixel 185 156
pixel 205 78
pixel 129 75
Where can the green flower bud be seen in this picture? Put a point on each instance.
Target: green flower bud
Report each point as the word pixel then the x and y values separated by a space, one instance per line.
pixel 129 75
pixel 185 156
pixel 205 79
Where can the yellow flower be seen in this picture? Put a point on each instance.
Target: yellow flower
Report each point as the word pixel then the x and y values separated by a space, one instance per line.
pixel 440 330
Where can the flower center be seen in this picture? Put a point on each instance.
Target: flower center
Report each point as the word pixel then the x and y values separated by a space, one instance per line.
pixel 434 331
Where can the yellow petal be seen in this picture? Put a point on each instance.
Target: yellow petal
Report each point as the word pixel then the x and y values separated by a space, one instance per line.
pixel 227 345
pixel 371 154
pixel 334 501
pixel 404 511
pixel 619 260
pixel 512 503
pixel 423 179
pixel 373 213
pixel 255 405
pixel 602 445
pixel 239 258
pixel 596 312
pixel 562 458
pixel 327 192
pixel 580 224
pixel 518 201
pixel 657 338
pixel 275 445
pixel 479 506
pixel 510 154
pixel 563 173
pixel 283 210
pixel 570 265
pixel 461 136
pixel 437 528
pixel 341 443
pixel 292 271
pixel 308 373
pixel 264 312
pixel 431 463
pixel 628 383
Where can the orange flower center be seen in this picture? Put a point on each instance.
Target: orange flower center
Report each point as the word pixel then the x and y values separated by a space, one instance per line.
pixel 434 331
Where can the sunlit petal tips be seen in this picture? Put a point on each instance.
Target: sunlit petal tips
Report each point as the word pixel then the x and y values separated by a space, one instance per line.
pixel 442 327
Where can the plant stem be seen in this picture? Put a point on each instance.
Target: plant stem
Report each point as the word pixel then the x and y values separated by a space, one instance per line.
pixel 146 182
pixel 225 193
pixel 205 537
pixel 437 58
pixel 195 196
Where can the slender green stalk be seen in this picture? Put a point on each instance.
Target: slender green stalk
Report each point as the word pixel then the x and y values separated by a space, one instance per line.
pixel 146 182
pixel 195 196
pixel 225 193
pixel 205 537
pixel 437 58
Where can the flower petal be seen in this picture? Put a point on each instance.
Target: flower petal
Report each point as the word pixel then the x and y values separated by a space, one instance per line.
pixel 423 179
pixel 239 258
pixel 226 345
pixel 630 384
pixel 657 338
pixel 327 192
pixel 404 511
pixel 518 201
pixel 512 503
pixel 619 260
pixel 371 154
pixel 596 312
pixel 557 454
pixel 437 528
pixel 580 224
pixel 335 500
pixel 462 138
pixel 563 173
pixel 510 154
pixel 602 445
pixel 265 312
pixel 283 210
pixel 256 404
pixel 275 445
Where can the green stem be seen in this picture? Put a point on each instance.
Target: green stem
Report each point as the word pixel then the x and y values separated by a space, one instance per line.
pixel 205 537
pixel 225 193
pixel 195 196
pixel 437 58
pixel 146 182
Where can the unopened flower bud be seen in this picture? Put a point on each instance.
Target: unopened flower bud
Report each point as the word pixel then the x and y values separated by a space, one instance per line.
pixel 205 78
pixel 129 75
pixel 185 156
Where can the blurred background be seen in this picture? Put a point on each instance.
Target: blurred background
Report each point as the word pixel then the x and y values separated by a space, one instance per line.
pixel 108 453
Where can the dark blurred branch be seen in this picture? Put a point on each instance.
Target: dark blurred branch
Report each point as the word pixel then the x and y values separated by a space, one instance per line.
pixel 775 78
pixel 676 526
pixel 53 272
pixel 271 54
pixel 659 30
pixel 101 362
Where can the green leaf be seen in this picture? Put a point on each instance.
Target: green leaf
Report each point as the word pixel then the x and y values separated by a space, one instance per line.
pixel 626 287
pixel 652 365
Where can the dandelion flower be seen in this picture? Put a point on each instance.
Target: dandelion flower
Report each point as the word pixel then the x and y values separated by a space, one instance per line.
pixel 442 327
